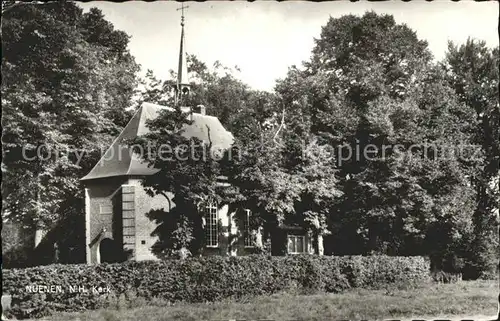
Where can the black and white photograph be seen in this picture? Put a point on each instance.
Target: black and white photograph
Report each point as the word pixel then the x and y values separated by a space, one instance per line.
pixel 265 160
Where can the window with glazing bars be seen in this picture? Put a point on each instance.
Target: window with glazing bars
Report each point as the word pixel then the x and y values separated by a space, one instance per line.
pixel 296 244
pixel 248 235
pixel 211 226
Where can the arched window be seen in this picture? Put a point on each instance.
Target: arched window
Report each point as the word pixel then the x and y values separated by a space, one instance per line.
pixel 211 226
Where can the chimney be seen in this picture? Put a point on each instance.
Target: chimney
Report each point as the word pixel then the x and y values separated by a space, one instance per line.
pixel 200 109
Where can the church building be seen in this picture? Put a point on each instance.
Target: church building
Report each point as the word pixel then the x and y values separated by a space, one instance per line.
pixel 116 204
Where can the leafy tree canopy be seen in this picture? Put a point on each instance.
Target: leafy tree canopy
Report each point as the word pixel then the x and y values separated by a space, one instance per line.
pixel 371 84
pixel 67 78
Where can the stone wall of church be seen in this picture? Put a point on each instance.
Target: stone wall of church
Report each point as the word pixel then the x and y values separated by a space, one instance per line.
pixel 100 214
pixel 229 229
pixel 144 226
pixel 121 207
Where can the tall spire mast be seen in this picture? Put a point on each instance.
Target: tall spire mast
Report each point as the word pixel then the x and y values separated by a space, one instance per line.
pixel 182 76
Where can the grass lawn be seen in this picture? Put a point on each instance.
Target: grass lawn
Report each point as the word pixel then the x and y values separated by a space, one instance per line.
pixel 466 299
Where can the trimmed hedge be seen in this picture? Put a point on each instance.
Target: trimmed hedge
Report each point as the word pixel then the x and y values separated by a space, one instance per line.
pixel 204 279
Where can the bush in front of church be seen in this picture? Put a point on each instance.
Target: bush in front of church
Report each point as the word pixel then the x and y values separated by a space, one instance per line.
pixel 85 287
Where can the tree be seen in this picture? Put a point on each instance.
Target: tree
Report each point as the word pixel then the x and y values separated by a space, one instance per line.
pixel 191 178
pixel 241 110
pixel 58 107
pixel 155 90
pixel 217 88
pixel 472 71
pixel 371 85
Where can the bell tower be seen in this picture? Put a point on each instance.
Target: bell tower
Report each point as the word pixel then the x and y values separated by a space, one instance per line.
pixel 182 88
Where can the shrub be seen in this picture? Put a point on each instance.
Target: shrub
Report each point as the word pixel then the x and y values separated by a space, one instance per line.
pixel 203 279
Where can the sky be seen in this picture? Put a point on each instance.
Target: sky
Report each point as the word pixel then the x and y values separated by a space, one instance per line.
pixel 264 38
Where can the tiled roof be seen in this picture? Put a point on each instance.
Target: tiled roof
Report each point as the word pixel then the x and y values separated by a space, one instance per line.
pixel 118 161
